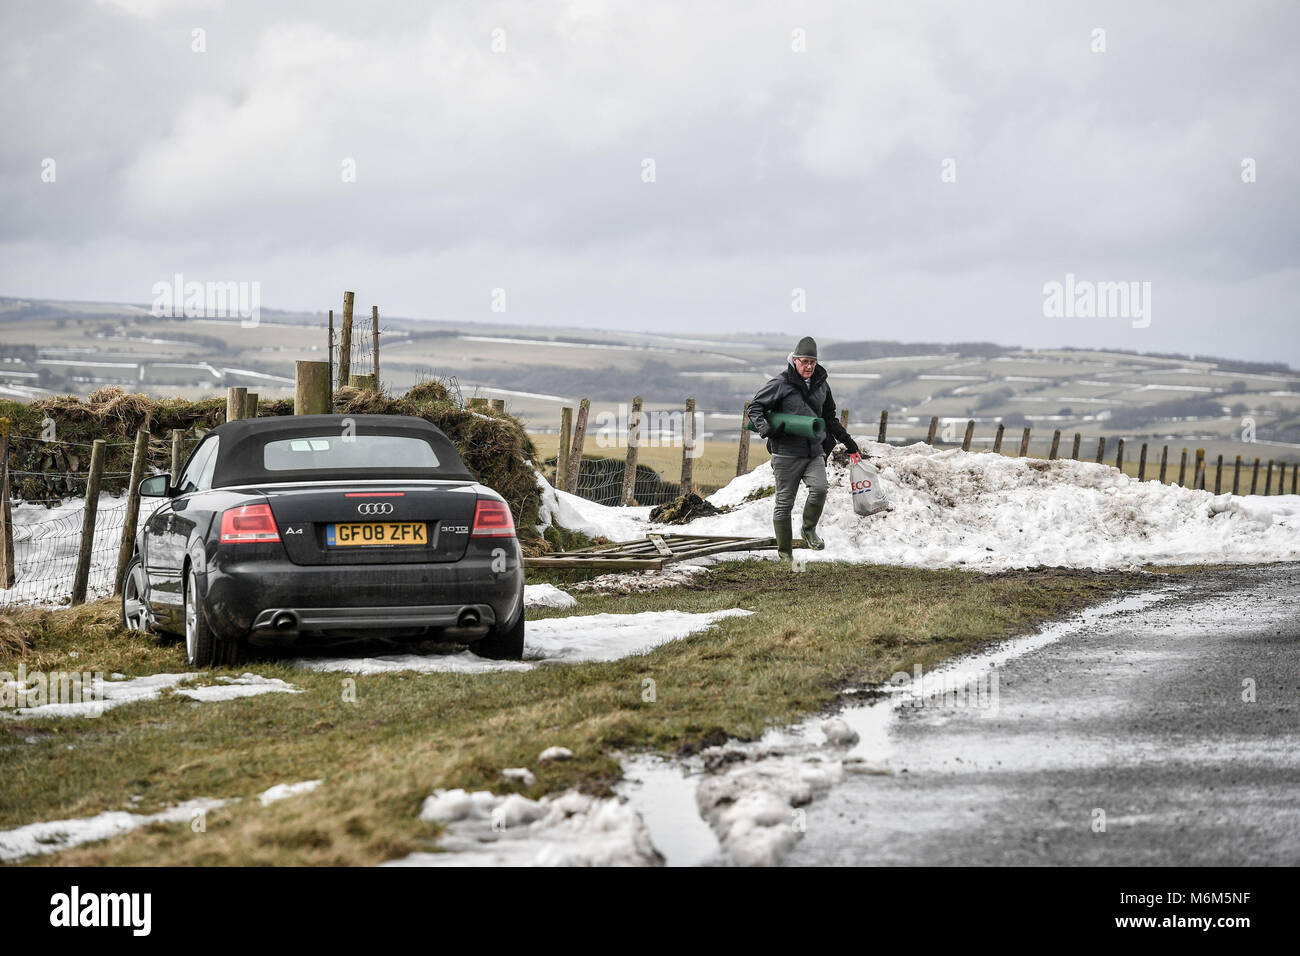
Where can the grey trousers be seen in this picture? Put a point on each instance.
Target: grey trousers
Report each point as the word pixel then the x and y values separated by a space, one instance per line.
pixel 788 471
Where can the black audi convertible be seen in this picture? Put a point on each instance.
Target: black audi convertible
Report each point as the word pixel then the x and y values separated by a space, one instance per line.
pixel 314 527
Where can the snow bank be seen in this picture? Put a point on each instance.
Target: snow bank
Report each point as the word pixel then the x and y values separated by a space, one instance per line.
pixel 576 639
pixel 987 512
pixel 578 514
pixel 571 829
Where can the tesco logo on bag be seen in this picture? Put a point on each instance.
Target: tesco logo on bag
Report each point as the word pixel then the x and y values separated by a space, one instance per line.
pixel 861 485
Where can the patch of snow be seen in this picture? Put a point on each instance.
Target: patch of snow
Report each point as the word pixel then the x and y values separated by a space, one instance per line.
pixel 570 829
pixel 230 688
pixel 114 693
pixel 574 639
pixel 639 582
pixel 520 775
pixel 838 733
pixel 35 839
pixel 554 753
pixel 283 790
pixel 547 595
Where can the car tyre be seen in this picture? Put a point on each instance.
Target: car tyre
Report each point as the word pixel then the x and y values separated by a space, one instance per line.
pixel 504 643
pixel 137 615
pixel 201 645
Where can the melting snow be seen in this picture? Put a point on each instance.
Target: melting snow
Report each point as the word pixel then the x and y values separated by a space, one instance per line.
pixel 571 829
pixel 576 639
pixel 987 512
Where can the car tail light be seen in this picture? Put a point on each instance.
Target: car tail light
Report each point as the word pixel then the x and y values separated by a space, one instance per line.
pixel 251 523
pixel 492 520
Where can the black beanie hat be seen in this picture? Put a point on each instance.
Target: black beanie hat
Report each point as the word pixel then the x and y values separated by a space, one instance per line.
pixel 807 347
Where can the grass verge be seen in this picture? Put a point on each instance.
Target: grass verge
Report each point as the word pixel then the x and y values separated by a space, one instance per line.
pixel 382 753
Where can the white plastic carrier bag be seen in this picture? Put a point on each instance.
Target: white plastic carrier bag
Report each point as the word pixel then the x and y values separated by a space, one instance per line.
pixel 868 495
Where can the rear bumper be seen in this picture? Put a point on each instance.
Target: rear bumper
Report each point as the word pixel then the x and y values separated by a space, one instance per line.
pixel 245 592
pixel 282 619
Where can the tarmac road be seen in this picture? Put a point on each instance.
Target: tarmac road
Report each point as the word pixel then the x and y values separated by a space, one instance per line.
pixel 1138 723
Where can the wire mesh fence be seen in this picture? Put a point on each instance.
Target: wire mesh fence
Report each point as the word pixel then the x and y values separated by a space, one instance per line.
pixel 47 543
pixel 601 480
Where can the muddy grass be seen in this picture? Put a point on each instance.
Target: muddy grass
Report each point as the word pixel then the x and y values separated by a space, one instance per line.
pixel 382 743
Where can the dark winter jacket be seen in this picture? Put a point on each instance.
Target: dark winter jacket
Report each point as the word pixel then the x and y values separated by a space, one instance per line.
pixel 790 393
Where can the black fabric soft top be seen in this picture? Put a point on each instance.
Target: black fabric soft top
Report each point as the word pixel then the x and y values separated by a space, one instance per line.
pixel 240 461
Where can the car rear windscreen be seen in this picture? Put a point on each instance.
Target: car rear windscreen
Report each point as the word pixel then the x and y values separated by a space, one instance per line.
pixel 335 452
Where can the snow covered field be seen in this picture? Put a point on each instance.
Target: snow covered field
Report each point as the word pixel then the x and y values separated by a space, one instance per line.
pixel 987 512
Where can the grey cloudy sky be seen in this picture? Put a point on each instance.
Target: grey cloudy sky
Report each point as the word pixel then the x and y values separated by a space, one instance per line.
pixel 774 169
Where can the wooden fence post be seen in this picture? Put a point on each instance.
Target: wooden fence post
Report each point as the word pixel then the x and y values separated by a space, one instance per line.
pixel 132 507
pixel 330 360
pixel 250 405
pixel 1281 478
pixel 345 340
pixel 1236 475
pixel 742 456
pixel 1074 453
pixel 178 457
pixel 87 544
pixel 1254 477
pixel 970 431
pixel 633 441
pixel 1198 476
pixel 884 422
pixel 311 388
pixel 1142 463
pixel 235 403
pixel 844 418
pixel 1218 475
pixel 934 423
pixel 562 454
pixel 1164 462
pixel 1182 469
pixel 374 334
pixel 688 449
pixel 6 514
pixel 1295 471
pixel 1024 443
pixel 1268 476
pixel 1119 455
pixel 997 438
pixel 1101 449
pixel 1056 445
pixel 575 452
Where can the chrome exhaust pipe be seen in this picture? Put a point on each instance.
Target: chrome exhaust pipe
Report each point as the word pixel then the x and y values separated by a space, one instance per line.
pixel 468 618
pixel 285 621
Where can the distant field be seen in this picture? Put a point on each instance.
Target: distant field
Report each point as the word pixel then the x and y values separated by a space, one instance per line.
pixel 54 348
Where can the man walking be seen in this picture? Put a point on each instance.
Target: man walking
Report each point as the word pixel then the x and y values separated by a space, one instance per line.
pixel 800 390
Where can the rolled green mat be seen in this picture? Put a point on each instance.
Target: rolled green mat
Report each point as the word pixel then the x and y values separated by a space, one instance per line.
pixel 803 425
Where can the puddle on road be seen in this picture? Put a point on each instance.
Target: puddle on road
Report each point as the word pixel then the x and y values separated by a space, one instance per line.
pixel 874 721
pixel 663 792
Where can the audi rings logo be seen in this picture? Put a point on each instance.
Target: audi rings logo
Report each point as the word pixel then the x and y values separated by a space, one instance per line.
pixel 375 508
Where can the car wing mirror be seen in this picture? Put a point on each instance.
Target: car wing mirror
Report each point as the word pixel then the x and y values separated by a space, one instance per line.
pixel 156 486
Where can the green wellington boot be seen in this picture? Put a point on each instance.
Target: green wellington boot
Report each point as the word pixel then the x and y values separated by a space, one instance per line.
pixel 811 515
pixel 783 538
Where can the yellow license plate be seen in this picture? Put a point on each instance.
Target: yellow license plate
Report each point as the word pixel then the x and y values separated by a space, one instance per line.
pixel 377 533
